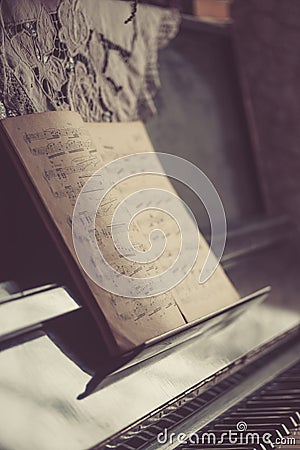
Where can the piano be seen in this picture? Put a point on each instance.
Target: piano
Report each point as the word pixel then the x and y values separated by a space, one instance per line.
pixel 233 385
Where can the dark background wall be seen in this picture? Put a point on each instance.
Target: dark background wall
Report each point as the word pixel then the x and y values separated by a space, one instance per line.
pixel 201 117
pixel 267 40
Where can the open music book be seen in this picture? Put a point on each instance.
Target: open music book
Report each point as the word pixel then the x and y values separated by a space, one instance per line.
pixel 55 154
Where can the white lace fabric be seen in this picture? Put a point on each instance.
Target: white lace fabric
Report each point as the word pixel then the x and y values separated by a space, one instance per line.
pixel 81 55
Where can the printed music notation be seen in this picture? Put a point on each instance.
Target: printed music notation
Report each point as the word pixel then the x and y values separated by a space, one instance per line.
pixel 54 133
pixel 55 149
pixel 60 153
pixel 68 159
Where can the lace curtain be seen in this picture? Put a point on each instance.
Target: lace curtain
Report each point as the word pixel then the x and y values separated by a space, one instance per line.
pixel 82 55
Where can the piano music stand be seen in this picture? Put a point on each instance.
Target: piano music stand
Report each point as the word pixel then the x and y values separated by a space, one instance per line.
pixel 162 344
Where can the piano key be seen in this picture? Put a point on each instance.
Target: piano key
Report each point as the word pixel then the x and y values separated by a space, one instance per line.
pixel 215 447
pixel 278 384
pixel 275 432
pixel 268 409
pixel 266 412
pixel 293 443
pixel 287 391
pixel 274 409
pixel 277 394
pixel 290 378
pixel 229 445
pixel 295 369
pixel 283 384
pixel 274 402
pixel 285 378
pixel 288 421
pixel 224 442
pixel 289 373
pixel 218 447
pixel 292 370
pixel 251 409
pixel 243 406
pixel 280 429
pixel 253 433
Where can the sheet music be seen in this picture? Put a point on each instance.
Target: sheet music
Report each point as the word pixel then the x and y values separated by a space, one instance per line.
pixel 193 299
pixel 60 153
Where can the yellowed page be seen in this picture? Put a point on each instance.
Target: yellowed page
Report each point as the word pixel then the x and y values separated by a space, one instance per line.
pixel 58 154
pixel 194 300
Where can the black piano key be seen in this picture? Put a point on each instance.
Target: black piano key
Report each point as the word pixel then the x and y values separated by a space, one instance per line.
pixel 284 412
pixel 290 372
pixel 287 391
pixel 288 378
pixel 282 385
pixel 133 443
pixel 282 392
pixel 272 435
pixel 277 394
pixel 286 420
pixel 295 369
pixel 218 447
pixel 208 396
pixel 249 405
pixel 275 403
pixel 227 444
pixel 227 383
pixel 266 408
pixel 274 432
pixel 279 429
pixel 285 381
pixel 266 412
